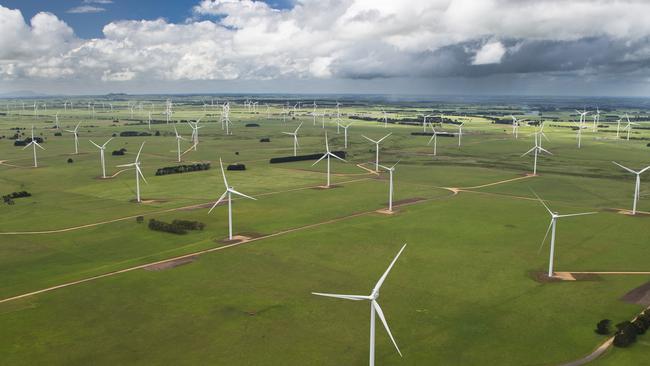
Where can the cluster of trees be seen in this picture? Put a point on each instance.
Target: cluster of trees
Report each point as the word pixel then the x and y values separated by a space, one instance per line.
pixel 441 134
pixel 27 141
pixel 237 166
pixel 179 227
pixel 627 331
pixel 252 125
pixel 133 134
pixel 286 159
pixel 118 152
pixel 183 168
pixel 265 139
pixel 9 198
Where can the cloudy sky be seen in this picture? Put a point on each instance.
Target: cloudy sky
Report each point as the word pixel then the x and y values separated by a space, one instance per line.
pixel 535 47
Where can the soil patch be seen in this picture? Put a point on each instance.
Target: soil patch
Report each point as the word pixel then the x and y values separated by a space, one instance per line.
pixel 542 277
pixel 326 187
pixel 170 264
pixel 640 295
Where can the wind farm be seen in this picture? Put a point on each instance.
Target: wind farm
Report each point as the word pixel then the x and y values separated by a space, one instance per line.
pixel 247 182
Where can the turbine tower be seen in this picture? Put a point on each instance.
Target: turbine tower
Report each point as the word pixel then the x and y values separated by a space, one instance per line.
pixel 138 173
pixel 101 155
pixel 327 155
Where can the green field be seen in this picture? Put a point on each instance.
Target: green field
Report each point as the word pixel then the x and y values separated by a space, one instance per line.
pixel 462 293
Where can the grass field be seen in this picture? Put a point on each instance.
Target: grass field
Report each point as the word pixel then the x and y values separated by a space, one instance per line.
pixel 462 293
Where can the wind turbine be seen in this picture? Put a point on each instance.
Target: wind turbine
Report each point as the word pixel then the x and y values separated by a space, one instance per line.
pixel 228 193
pixel 434 138
pixel 460 132
pixel 551 227
pixel 56 120
pixel 628 127
pixel 583 117
pixel 515 126
pixel 295 139
pixel 313 113
pixel 390 185
pixel 618 128
pixel 376 149
pixel 596 119
pixel 149 121
pixel 374 308
pixel 76 138
pixel 327 155
pixel 178 143
pixel 385 118
pixel 345 134
pixel 195 132
pixel 537 149
pixel 637 187
pixel 33 143
pixel 138 173
pixel 101 155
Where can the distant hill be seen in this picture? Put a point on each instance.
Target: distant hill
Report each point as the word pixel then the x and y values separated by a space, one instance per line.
pixel 22 94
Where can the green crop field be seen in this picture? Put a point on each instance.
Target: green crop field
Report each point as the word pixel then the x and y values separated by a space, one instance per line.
pixel 469 288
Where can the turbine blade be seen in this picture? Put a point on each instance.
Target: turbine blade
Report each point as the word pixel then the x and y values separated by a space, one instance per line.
pixel 241 194
pixel 542 202
pixel 335 156
pixel 546 151
pixel 383 277
pixel 137 167
pixel 125 165
pixel 644 169
pixel 628 169
pixel 137 157
pixel 375 305
pixel 545 236
pixel 346 297
pixel 369 139
pixel 218 201
pixel 225 181
pixel 382 139
pixel 529 151
pixel 91 141
pixel 106 143
pixel 578 214
pixel 39 145
pixel 321 158
pixel 28 145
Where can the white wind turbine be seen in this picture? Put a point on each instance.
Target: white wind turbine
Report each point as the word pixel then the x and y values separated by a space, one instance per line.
pixel 618 128
pixel 295 139
pixel 76 138
pixel 101 155
pixel 515 126
pixel 390 185
pixel 138 173
pixel 537 149
pixel 628 127
pixel 551 227
pixel 56 120
pixel 228 193
pixel 460 133
pixel 385 118
pixel 149 121
pixel 637 186
pixel 313 113
pixel 195 132
pixel 376 149
pixel 327 155
pixel 345 134
pixel 34 144
pixel 596 119
pixel 434 138
pixel 178 143
pixel 375 309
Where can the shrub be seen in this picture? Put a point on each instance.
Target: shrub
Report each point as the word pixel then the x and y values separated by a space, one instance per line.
pixel 603 327
pixel 182 168
pixel 9 198
pixel 179 227
pixel 286 159
pixel 626 334
pixel 58 134
pixel 118 152
pixel 157 133
pixel 70 161
pixel 252 125
pixel 265 139
pixel 133 134
pixel 139 219
pixel 237 166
